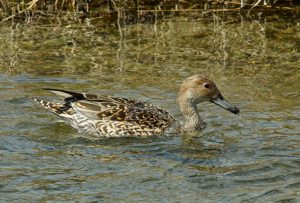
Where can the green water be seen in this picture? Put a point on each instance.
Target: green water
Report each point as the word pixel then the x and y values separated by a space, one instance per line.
pixel 256 66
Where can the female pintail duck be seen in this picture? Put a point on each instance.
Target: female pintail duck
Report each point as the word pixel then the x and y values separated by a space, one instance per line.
pixel 105 116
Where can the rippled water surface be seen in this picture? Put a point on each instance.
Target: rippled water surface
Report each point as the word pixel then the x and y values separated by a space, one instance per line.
pixel 256 65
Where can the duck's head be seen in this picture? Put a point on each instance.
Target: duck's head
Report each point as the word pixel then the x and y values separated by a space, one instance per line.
pixel 196 89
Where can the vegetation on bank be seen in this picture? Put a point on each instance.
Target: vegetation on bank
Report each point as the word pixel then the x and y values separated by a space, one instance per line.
pixel 133 10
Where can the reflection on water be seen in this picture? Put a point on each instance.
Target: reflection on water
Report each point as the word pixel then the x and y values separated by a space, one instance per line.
pixel 251 158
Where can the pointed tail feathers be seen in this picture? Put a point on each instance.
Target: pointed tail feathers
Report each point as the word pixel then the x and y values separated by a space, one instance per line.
pixel 65 93
pixel 57 108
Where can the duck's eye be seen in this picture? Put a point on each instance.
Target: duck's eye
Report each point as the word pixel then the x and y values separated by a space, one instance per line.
pixel 206 85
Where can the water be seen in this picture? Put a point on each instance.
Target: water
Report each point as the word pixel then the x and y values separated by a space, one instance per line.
pixel 255 158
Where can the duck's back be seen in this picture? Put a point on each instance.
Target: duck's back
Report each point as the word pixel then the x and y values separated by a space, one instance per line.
pixel 109 116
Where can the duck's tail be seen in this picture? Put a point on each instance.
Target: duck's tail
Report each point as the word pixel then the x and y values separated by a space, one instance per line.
pixel 68 114
pixel 56 108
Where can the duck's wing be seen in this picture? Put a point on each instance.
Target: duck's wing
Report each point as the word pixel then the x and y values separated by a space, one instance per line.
pixel 106 108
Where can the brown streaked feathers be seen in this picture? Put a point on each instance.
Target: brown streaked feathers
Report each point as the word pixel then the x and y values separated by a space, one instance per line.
pixel 111 115
pixel 105 116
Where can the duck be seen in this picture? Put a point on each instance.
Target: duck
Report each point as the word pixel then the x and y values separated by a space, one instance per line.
pixel 106 116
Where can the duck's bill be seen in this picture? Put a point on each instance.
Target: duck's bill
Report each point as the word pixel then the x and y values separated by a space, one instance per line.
pixel 220 101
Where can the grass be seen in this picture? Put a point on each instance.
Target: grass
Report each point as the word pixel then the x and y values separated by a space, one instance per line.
pixel 131 10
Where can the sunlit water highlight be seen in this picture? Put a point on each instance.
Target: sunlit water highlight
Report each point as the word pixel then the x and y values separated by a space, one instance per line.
pixel 251 158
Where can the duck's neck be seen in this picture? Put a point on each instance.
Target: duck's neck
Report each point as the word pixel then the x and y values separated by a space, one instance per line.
pixel 192 119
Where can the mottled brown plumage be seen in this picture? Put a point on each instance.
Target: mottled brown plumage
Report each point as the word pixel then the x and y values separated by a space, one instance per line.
pixel 110 116
pixel 106 116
